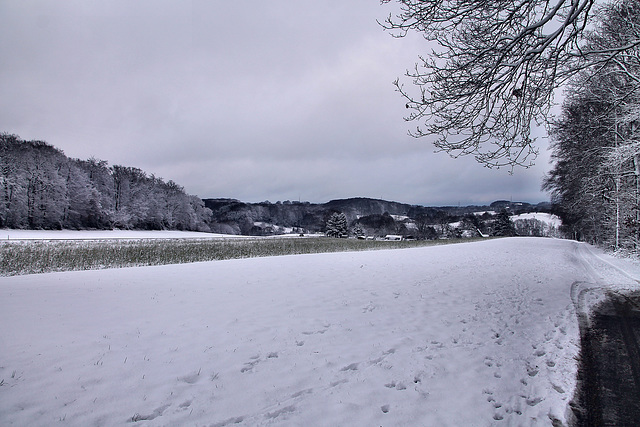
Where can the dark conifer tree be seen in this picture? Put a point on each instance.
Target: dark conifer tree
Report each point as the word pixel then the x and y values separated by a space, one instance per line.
pixel 503 225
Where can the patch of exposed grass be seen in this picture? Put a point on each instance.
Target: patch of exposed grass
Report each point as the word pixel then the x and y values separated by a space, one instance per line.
pixel 48 256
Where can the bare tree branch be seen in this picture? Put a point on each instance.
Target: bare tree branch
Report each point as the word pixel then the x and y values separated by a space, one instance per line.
pixel 494 68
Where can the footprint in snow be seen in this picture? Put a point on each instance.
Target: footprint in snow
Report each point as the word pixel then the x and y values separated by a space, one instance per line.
pixel 302 393
pixel 229 421
pixel 191 378
pixel 487 392
pixel 155 414
pixel 397 386
pixel 534 401
pixel 351 367
pixel 279 412
pixel 248 366
pixel 320 332
pixel 368 308
pixel 184 405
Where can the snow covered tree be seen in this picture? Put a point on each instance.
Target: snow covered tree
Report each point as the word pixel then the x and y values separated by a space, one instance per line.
pixel 493 68
pixel 12 177
pixel 530 227
pixel 595 183
pixel 41 188
pixel 337 225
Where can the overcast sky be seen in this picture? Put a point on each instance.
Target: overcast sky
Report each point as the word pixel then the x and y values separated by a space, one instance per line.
pixel 254 100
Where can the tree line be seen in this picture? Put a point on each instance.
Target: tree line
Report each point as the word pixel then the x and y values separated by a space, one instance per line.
pixel 595 181
pixel 492 74
pixel 449 227
pixel 371 218
pixel 491 70
pixel 41 188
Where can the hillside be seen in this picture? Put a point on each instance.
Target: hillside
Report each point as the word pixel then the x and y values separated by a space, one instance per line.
pixel 44 189
pixel 376 217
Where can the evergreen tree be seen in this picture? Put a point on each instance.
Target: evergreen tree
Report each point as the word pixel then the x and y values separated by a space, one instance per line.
pixel 337 225
pixel 503 225
pixel 358 232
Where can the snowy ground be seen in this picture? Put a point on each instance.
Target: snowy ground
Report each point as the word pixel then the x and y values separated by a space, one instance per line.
pixel 472 334
pixel 13 234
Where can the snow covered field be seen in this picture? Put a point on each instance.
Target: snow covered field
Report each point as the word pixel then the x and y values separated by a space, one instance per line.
pixel 472 334
pixel 13 234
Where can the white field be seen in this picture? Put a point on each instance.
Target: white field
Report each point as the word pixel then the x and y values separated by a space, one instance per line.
pixel 473 334
pixel 13 234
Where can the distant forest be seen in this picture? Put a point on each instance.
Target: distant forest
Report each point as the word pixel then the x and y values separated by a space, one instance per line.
pixel 40 187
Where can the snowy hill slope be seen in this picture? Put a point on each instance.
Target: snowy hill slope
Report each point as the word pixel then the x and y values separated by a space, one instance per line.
pixel 476 334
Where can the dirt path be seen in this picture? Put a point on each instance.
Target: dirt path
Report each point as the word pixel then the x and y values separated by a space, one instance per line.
pixel 609 371
pixel 608 391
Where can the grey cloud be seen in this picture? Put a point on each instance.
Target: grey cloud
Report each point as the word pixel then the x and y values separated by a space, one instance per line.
pixel 253 100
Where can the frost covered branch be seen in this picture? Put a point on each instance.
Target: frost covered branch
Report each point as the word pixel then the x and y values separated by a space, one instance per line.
pixel 493 70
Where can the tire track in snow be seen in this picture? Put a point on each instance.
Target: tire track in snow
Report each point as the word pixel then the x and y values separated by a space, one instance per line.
pixel 587 256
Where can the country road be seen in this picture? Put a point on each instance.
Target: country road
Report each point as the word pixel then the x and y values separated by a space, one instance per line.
pixel 608 392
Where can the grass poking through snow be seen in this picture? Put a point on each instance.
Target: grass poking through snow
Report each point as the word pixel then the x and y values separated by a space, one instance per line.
pixel 48 256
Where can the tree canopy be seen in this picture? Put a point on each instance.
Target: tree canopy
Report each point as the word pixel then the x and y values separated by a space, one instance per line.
pixel 337 225
pixel 493 68
pixel 40 187
pixel 595 181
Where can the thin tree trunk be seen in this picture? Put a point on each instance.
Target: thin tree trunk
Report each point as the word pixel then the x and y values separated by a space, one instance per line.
pixel 636 161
